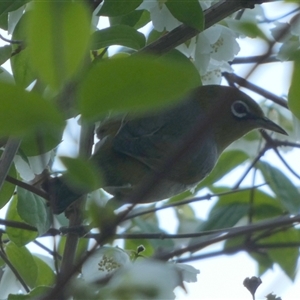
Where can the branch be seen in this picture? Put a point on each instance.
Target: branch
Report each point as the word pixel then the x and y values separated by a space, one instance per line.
pixel 75 213
pixel 16 224
pixel 245 83
pixel 27 187
pixel 183 33
pixel 188 201
pixel 270 141
pixel 254 59
pixel 7 158
pixel 14 270
pixel 234 232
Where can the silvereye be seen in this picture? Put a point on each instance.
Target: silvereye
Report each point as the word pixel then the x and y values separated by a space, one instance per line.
pixel 132 147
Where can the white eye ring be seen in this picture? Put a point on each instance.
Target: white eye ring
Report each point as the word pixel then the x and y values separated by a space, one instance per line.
pixel 239 109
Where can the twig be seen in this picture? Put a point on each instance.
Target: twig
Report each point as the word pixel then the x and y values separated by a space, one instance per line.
pixel 235 232
pixel 10 41
pixel 75 215
pixel 7 158
pixel 188 201
pixel 256 159
pixel 254 59
pixel 245 83
pixel 183 33
pixel 15 271
pixel 51 252
pixel 27 187
pixel 16 224
pixel 273 145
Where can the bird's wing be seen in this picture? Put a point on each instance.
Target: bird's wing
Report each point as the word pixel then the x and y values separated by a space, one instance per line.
pixel 151 140
pixel 145 140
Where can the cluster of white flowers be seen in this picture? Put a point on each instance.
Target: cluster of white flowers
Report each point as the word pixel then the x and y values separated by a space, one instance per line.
pixel 210 50
pixel 141 279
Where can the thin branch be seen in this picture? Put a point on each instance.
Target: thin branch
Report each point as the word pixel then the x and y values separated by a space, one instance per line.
pixel 279 143
pixel 269 232
pixel 270 141
pixel 236 249
pixel 278 245
pixel 51 252
pixel 15 271
pixel 251 200
pixel 10 41
pixel 16 224
pixel 75 213
pixel 7 158
pixel 256 159
pixel 281 17
pixel 188 201
pixel 245 83
pixel 285 163
pixel 235 232
pixel 210 254
pixel 254 59
pixel 183 33
pixel 27 187
pixel 267 54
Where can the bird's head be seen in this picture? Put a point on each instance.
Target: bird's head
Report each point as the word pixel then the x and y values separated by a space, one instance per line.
pixel 233 114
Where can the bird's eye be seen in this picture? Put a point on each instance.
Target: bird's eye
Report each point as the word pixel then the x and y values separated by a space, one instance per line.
pixel 239 109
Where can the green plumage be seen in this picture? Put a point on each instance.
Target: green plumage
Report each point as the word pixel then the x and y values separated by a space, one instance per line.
pixel 135 146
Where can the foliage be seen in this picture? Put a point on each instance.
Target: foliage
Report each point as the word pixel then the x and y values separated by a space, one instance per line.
pixel 63 67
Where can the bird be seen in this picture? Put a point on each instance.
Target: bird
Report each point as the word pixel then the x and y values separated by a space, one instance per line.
pixel 132 146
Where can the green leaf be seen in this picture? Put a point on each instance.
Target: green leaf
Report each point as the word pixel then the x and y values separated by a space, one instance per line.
pixel 7 189
pixel 187 12
pixel 144 19
pixel 178 57
pixel 226 163
pixel 134 82
pixel 288 49
pixel 225 216
pixel 136 19
pixel 33 210
pixel 34 144
pixel 5 76
pixel 266 206
pixel 22 260
pixel 187 222
pixel 5 53
pixel 46 275
pixel 281 185
pixel 249 29
pixel 179 197
pixel 22 69
pixel 286 257
pixel 264 262
pixel 22 112
pixel 294 92
pixel 6 7
pixel 122 35
pixel 20 63
pixel 82 248
pixel 82 173
pixel 150 225
pixel 19 236
pixel 231 208
pixel 238 241
pixel 113 8
pixel 36 293
pixel 154 35
pixel 58 38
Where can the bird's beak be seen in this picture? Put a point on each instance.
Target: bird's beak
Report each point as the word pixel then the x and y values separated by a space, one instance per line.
pixel 268 124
